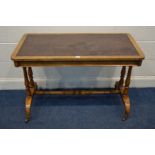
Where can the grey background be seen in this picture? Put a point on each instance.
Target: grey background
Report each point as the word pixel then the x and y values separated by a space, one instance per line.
pixel 89 77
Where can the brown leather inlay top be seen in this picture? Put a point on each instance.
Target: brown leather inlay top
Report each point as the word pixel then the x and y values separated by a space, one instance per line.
pixel 77 45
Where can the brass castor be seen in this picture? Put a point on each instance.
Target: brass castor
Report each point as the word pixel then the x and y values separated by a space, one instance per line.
pixel 125 117
pixel 27 120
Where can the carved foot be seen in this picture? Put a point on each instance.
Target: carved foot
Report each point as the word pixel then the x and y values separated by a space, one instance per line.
pixel 28 108
pixel 126 101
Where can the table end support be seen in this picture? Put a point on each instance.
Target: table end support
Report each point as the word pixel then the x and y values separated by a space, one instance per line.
pixel 123 86
pixel 31 87
pixel 124 94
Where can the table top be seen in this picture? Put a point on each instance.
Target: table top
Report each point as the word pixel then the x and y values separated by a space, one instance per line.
pixel 81 46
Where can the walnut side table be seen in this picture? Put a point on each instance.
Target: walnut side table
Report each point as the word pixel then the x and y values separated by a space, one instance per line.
pixel 77 49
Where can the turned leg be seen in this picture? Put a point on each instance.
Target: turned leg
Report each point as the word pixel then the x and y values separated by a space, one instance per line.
pixel 119 84
pixel 32 84
pixel 30 73
pixel 28 101
pixel 124 94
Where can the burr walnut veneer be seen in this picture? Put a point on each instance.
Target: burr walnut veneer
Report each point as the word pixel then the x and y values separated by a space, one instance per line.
pixel 91 49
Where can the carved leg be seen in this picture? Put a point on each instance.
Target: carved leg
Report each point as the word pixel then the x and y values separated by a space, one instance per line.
pixel 28 101
pixel 124 94
pixel 119 84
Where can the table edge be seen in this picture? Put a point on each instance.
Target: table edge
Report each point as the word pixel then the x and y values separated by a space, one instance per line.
pixel 15 58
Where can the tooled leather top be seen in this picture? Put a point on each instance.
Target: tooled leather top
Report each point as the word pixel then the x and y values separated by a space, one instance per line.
pixel 77 45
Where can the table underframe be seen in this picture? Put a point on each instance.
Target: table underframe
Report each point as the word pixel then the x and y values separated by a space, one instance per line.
pixel 121 87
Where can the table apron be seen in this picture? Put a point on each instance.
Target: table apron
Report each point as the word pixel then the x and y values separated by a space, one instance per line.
pixel 78 63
